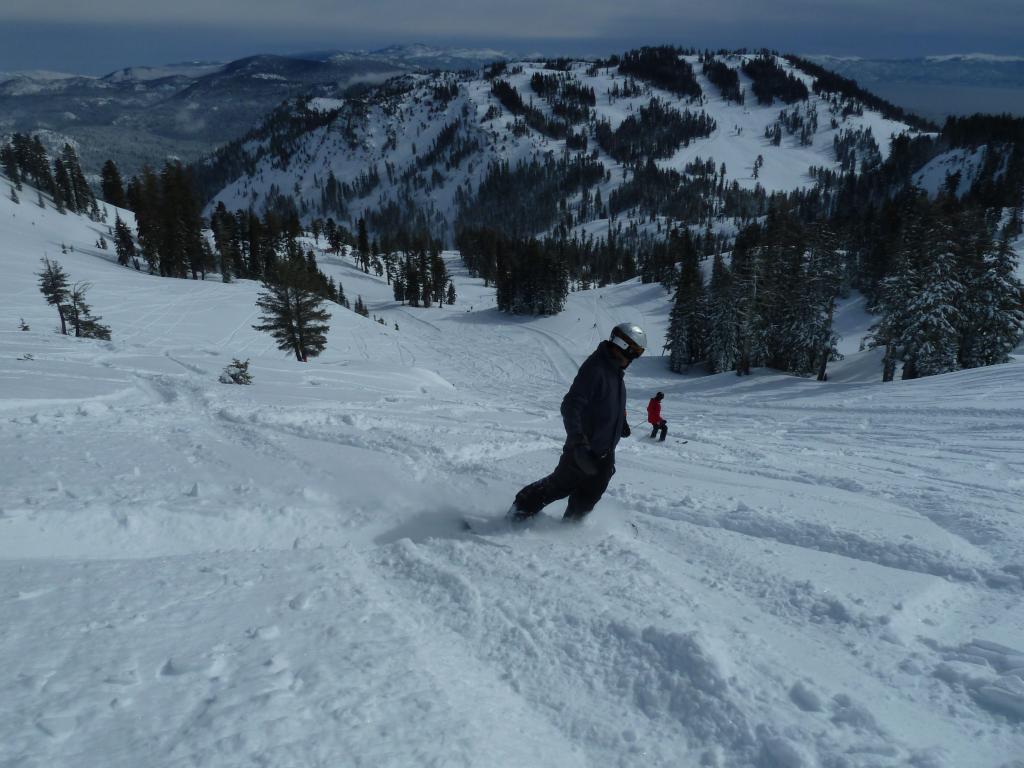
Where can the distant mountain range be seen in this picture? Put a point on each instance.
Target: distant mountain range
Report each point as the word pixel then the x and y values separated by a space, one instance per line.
pixel 938 86
pixel 140 115
pixel 145 114
pixel 531 146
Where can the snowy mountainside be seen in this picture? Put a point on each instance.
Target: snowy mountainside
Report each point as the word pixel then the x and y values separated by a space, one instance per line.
pixel 962 163
pixel 143 115
pixel 182 69
pixel 385 144
pixel 195 573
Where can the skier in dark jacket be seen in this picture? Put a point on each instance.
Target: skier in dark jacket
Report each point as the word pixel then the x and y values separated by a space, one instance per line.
pixel 654 416
pixel 594 416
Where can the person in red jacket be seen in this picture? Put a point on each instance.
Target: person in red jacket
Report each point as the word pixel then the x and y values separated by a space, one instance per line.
pixel 654 416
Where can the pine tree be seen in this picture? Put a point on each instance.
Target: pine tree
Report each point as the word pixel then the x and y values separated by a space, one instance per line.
pixel 64 196
pixel 450 296
pixel 412 283
pixel 9 161
pixel 894 300
pixel 722 350
pixel 898 289
pixel 80 315
pixel 931 335
pixel 53 284
pixel 144 198
pixel 363 246
pixel 824 281
pixel 38 165
pixel 293 313
pixel 84 199
pixel 124 244
pixel 222 224
pixel 687 331
pixel 438 277
pixel 111 185
pixel 995 312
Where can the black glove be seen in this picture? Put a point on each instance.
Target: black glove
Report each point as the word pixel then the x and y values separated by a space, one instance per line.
pixel 626 431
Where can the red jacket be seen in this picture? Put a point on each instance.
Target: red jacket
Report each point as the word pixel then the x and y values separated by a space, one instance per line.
pixel 654 411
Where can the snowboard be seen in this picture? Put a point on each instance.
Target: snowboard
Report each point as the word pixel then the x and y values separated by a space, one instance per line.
pixel 490 525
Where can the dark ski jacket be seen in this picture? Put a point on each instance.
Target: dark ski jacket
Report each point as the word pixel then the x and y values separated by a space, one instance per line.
pixel 595 405
pixel 654 411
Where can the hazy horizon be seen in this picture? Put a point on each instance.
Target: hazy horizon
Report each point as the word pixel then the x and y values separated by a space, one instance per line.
pixel 107 35
pixel 146 55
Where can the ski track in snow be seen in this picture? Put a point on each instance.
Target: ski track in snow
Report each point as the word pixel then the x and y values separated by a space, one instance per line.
pixel 198 574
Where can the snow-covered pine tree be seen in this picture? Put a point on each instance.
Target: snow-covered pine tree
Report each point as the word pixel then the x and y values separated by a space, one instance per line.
pixel 931 337
pixel 293 313
pixel 898 289
pixel 809 336
pixel 53 284
pixel 827 269
pixel 236 372
pixel 995 308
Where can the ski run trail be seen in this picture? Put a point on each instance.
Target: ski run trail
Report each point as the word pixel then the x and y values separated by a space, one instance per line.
pixel 196 574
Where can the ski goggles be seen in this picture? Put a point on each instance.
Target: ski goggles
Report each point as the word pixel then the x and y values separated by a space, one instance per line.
pixel 630 348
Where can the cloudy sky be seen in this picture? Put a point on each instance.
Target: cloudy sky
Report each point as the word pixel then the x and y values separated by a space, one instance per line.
pixel 101 35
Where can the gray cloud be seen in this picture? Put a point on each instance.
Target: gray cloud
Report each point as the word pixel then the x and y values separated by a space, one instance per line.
pixel 530 18
pixel 102 35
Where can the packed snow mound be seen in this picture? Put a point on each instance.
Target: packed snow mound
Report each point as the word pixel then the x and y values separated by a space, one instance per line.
pixel 803 574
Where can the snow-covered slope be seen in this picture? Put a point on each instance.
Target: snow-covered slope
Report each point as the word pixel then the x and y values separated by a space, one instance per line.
pixel 200 574
pixel 389 134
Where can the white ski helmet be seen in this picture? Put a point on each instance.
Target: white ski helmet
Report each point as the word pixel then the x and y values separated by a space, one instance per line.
pixel 630 338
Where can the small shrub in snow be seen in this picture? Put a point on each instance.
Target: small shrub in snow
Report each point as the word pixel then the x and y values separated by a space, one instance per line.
pixel 236 373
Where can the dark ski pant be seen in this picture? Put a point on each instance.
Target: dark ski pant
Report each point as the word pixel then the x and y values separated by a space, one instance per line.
pixel 583 490
pixel 663 426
